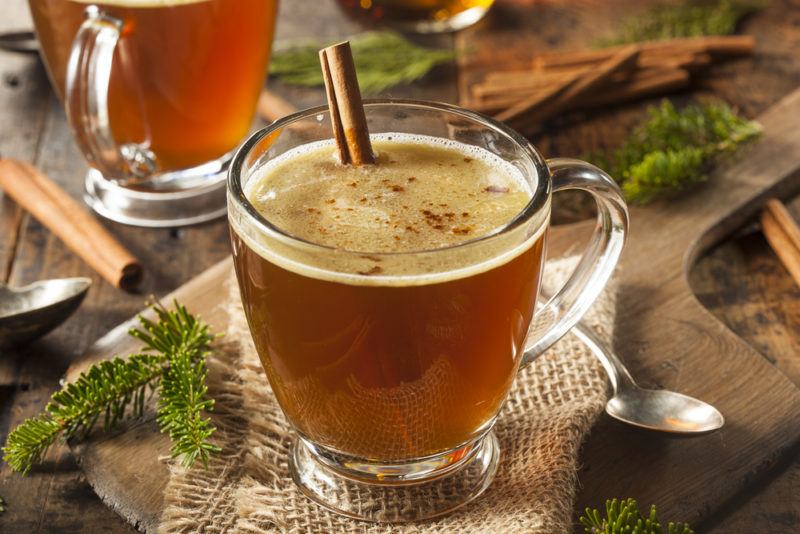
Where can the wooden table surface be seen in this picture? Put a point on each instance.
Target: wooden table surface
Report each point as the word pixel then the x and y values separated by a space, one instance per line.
pixel 741 280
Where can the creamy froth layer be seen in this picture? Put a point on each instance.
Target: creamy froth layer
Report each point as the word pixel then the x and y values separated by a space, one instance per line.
pixel 380 227
pixel 424 193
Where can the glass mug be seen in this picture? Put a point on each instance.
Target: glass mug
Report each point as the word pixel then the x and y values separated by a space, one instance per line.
pixel 421 16
pixel 159 93
pixel 393 381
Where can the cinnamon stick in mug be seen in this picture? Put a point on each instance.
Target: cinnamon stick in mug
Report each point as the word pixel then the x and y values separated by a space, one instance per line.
pixel 344 100
pixel 71 222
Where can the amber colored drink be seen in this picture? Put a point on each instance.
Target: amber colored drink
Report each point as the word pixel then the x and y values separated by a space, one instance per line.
pixel 380 360
pixel 186 74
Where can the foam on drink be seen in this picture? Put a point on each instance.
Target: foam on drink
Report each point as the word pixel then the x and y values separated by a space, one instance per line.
pixel 424 193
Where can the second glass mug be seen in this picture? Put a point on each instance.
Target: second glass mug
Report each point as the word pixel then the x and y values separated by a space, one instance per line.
pixel 158 93
pixel 393 381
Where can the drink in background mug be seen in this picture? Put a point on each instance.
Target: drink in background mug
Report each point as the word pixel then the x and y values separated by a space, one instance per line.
pixel 158 93
pixel 392 366
pixel 421 16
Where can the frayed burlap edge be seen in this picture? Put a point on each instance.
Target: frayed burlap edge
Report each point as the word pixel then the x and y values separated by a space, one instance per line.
pixel 247 488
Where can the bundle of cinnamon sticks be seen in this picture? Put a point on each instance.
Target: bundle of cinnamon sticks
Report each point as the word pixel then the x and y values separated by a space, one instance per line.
pixel 783 235
pixel 551 83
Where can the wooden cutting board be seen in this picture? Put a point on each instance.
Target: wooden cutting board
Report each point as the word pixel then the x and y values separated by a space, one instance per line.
pixel 662 332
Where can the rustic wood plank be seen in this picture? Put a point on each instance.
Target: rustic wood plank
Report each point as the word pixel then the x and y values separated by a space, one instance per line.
pixel 27 377
pixel 743 284
pixel 571 137
pixel 47 498
pixel 23 88
pixel 657 307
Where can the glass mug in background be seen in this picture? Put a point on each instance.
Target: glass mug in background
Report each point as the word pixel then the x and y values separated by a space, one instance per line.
pixel 393 381
pixel 158 93
pixel 421 16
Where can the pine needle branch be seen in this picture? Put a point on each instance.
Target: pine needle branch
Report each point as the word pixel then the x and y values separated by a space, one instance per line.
pixel 383 59
pixel 182 399
pixel 674 149
pixel 107 388
pixel 623 517
pixel 686 19
pixel 176 346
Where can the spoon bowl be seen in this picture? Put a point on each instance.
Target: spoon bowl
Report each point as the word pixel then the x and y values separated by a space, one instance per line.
pixel 659 410
pixel 29 312
pixel 664 411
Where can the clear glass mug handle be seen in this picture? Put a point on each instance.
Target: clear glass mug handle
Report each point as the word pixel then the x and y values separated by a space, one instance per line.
pixel 86 102
pixel 567 306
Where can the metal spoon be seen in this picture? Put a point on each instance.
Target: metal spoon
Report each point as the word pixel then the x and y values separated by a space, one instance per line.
pixel 29 312
pixel 660 410
pixel 20 41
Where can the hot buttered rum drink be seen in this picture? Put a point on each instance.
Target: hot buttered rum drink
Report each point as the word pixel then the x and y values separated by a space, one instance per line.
pixel 186 73
pixel 387 351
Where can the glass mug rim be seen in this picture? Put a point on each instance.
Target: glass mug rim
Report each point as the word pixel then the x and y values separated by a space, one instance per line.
pixel 539 200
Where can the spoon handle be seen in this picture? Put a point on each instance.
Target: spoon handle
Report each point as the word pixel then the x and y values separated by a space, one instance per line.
pixel 618 374
pixel 20 41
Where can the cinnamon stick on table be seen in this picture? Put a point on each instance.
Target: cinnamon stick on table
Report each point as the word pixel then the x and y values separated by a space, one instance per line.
pixel 520 93
pixel 71 222
pixel 658 81
pixel 344 101
pixel 645 82
pixel 520 83
pixel 272 106
pixel 783 235
pixel 715 45
pixel 537 109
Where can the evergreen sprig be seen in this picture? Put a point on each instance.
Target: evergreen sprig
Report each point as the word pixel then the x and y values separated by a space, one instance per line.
pixel 674 149
pixel 172 361
pixel 181 404
pixel 383 59
pixel 623 517
pixel 686 19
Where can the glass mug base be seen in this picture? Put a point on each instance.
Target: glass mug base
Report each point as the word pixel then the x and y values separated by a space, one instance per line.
pixel 400 493
pixel 177 198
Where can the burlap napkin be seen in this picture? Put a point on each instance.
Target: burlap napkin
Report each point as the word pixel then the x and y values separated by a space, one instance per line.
pixel 247 488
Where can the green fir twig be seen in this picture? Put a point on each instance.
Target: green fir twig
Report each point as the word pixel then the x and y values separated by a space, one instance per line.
pixel 689 18
pixel 623 517
pixel 675 149
pixel 107 389
pixel 172 361
pixel 383 59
